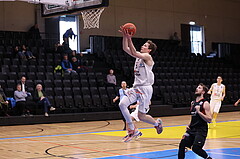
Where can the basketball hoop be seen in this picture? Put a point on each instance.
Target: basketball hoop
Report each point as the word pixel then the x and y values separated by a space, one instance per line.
pixel 91 17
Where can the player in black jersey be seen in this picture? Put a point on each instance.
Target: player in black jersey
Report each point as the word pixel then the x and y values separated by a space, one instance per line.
pixel 196 131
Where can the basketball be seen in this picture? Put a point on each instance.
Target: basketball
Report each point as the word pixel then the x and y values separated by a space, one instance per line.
pixel 130 27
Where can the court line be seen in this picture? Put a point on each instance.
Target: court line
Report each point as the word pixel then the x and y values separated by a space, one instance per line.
pixel 86 149
pixel 225 154
pixel 26 137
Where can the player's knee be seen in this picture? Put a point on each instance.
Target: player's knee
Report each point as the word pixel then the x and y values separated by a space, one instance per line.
pixel 196 148
pixel 122 104
pixel 141 115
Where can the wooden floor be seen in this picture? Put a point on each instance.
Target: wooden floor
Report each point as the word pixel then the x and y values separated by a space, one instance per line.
pixel 103 139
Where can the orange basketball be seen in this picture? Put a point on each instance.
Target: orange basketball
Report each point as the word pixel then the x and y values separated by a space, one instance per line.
pixel 130 27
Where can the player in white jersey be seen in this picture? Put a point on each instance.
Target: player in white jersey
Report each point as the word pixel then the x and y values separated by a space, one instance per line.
pixel 142 88
pixel 217 92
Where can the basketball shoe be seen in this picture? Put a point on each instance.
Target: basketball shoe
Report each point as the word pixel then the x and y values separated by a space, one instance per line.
pixel 132 134
pixel 159 128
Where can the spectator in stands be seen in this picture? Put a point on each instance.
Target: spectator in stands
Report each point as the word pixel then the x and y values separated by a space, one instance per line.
pixel 76 65
pixel 74 54
pixel 34 32
pixel 3 102
pixel 175 39
pixel 84 61
pixel 66 65
pixel 20 97
pixel 59 48
pixel 23 84
pixel 19 53
pixel 111 78
pixel 68 34
pixel 41 98
pixel 27 53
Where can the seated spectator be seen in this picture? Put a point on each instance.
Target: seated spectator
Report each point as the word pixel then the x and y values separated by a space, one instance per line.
pixel 41 98
pixel 27 53
pixel 59 48
pixel 83 60
pixel 24 86
pixel 111 78
pixel 74 54
pixel 20 97
pixel 17 52
pixel 3 102
pixel 66 65
pixel 76 65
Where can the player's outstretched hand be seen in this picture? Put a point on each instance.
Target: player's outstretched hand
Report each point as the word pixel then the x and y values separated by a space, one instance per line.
pixel 125 32
pixel 236 104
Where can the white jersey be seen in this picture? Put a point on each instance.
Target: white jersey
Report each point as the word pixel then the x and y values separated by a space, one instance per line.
pixel 143 73
pixel 217 91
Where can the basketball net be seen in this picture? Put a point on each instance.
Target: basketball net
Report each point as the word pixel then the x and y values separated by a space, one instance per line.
pixel 91 17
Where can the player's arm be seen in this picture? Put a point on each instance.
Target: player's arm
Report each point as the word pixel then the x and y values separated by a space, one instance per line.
pixel 210 90
pixel 237 102
pixel 134 105
pixel 223 93
pixel 125 40
pixel 115 99
pixel 133 52
pixel 207 116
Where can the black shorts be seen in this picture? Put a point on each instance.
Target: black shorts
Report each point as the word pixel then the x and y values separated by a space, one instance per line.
pixel 194 139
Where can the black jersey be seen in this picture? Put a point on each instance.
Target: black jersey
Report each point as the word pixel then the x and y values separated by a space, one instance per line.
pixel 197 123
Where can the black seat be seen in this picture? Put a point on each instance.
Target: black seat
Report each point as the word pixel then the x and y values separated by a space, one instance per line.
pixel 49 91
pixel 14 68
pixel 40 75
pixel 102 91
pixel 84 83
pixel 76 91
pixel 76 83
pixel 87 100
pixel 69 102
pixel 111 92
pixel 31 75
pixel 85 91
pixel 48 83
pixel 96 101
pixel 11 84
pixel 67 83
pixel 41 68
pixel 59 102
pixel 12 75
pixel 9 92
pixel 94 91
pixel 78 101
pixel 58 83
pixel 67 91
pixel 49 75
pixel 58 91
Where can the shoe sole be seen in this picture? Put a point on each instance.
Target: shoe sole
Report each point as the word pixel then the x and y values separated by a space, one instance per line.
pixel 125 139
pixel 160 121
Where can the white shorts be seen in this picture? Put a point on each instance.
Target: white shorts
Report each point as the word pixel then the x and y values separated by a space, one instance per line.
pixel 134 114
pixel 215 105
pixel 143 94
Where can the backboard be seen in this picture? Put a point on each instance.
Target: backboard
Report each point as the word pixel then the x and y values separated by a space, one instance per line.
pixel 72 6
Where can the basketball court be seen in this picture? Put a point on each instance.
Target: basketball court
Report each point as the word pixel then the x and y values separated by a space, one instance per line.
pixel 102 139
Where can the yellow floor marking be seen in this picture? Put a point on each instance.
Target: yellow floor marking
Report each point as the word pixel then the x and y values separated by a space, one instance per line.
pixel 222 130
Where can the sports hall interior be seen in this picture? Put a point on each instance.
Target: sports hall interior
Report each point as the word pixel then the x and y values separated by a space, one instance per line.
pixel 83 100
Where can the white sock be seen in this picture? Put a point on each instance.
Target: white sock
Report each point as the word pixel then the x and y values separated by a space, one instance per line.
pixel 156 123
pixel 131 126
